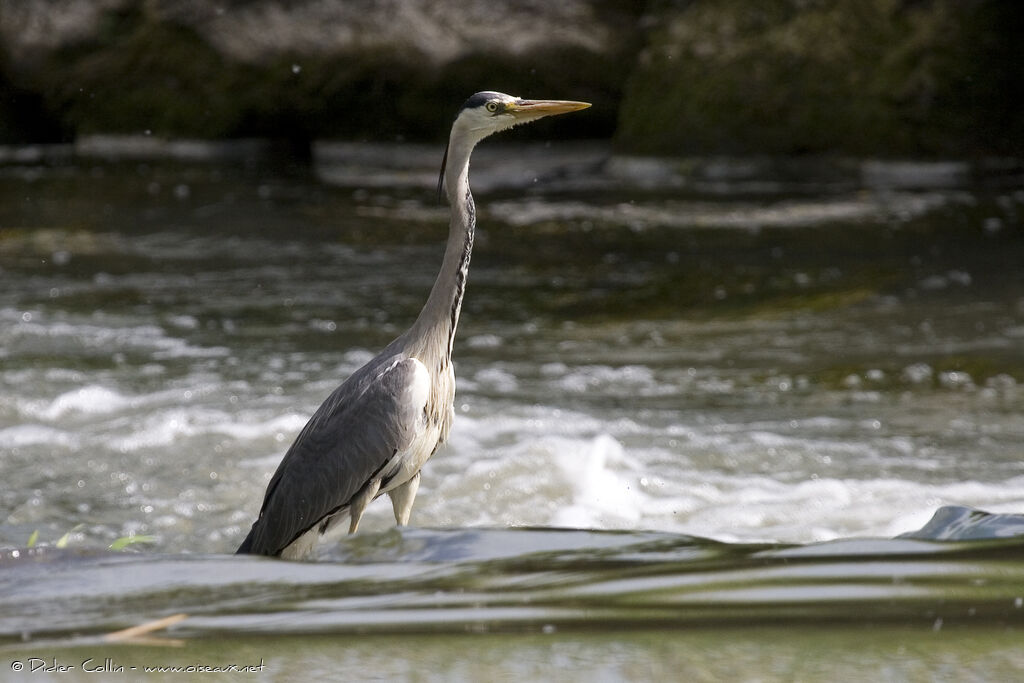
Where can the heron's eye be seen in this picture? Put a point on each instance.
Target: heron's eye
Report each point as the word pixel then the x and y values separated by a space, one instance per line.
pixel 492 107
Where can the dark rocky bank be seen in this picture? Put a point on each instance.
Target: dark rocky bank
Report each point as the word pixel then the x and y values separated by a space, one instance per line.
pixel 883 78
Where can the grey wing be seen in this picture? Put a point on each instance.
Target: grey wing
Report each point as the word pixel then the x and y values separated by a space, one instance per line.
pixel 351 439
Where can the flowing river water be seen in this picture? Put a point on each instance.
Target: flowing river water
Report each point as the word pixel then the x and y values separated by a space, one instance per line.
pixel 698 405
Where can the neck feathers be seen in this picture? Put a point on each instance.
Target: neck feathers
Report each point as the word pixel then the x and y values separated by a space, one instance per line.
pixel 434 330
pixel 462 269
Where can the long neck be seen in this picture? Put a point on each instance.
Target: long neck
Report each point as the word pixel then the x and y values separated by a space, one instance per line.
pixel 436 324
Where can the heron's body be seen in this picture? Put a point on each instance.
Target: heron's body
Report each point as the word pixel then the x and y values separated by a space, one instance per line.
pixel 374 432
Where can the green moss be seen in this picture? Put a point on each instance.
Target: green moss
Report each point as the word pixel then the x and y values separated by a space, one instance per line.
pixel 140 75
pixel 879 77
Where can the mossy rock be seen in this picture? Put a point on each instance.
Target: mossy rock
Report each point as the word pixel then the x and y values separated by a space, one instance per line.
pixel 876 78
pixel 144 72
pixel 137 75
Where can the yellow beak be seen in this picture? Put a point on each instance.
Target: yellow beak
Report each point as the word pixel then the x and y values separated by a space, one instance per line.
pixel 537 108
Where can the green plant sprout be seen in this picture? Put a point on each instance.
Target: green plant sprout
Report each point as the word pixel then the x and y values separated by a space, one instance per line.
pixel 118 545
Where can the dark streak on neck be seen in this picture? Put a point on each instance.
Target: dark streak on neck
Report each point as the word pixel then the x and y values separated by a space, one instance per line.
pixel 460 275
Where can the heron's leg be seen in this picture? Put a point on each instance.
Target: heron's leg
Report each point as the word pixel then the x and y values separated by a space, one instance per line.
pixel 359 503
pixel 301 547
pixel 402 497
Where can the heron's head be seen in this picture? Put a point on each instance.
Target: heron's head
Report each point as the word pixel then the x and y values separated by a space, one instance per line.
pixel 490 112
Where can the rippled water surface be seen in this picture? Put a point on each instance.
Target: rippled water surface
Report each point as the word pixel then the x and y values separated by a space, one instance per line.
pixel 732 351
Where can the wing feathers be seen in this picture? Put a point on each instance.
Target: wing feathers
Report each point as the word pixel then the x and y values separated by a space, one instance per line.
pixel 352 439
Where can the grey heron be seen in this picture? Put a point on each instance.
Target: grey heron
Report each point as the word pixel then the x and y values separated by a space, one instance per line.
pixel 372 435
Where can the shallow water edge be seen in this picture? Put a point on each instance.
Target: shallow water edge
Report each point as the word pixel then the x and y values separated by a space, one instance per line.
pixel 529 581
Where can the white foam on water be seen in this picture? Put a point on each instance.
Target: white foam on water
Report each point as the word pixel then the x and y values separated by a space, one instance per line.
pixel 762 509
pixel 603 485
pixel 95 333
pixel 516 465
pixel 250 428
pixel 23 435
pixel 495 379
pixel 91 400
pixel 681 214
pixel 547 481
pixel 167 426
pixel 572 470
pixel 632 379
